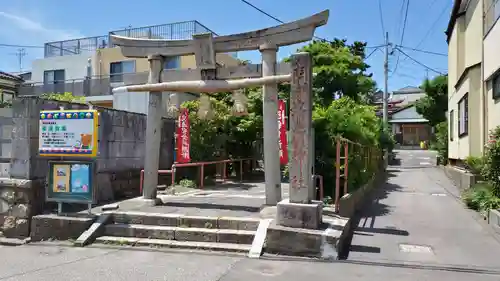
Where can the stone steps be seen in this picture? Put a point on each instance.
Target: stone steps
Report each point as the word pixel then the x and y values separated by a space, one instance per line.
pixel 185 221
pixel 192 245
pixel 179 231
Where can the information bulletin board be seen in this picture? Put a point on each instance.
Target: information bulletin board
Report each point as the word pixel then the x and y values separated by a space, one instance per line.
pixel 71 182
pixel 68 133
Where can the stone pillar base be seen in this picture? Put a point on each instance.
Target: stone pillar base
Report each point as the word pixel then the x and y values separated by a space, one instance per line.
pixel 300 215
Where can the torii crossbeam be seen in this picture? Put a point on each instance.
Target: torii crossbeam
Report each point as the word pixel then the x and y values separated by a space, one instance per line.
pixel 210 78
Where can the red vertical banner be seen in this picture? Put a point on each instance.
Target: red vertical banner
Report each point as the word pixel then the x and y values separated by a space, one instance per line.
pixel 282 140
pixel 183 137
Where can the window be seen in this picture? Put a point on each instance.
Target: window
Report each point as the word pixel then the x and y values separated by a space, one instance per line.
pixel 492 13
pixel 463 116
pixel 53 81
pixel 53 76
pixel 117 69
pixel 452 124
pixel 496 86
pixel 172 62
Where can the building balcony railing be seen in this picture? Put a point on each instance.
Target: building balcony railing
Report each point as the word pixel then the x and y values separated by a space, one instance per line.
pixel 92 86
pixel 170 31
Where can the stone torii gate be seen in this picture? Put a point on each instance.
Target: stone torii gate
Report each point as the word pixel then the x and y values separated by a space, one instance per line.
pixel 210 78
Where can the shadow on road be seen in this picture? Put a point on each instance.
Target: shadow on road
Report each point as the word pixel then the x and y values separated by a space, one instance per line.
pixel 365 219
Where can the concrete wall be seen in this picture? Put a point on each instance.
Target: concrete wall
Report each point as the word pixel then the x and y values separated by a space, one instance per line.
pixel 121 157
pixel 104 57
pixel 464 77
pixel 491 66
pixel 75 66
pixel 138 101
pixel 121 147
pixel 491 43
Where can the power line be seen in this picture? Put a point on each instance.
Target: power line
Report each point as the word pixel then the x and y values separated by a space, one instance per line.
pixel 401 13
pixel 375 47
pixel 419 63
pixel 422 51
pixel 404 22
pixel 371 53
pixel 432 28
pixel 381 17
pixel 275 18
pixel 402 33
pixel 21 46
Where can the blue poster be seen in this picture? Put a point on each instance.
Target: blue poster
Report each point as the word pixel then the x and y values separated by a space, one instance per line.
pixel 80 178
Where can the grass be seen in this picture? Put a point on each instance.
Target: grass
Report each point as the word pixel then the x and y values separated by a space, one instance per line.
pixel 480 198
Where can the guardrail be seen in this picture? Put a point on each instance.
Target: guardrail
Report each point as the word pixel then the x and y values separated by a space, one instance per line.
pixel 343 146
pixel 202 165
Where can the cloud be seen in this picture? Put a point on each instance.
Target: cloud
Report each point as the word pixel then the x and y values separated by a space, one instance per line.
pixel 39 29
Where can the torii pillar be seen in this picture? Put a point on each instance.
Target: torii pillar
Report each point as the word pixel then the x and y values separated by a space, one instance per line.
pixel 272 171
pixel 154 126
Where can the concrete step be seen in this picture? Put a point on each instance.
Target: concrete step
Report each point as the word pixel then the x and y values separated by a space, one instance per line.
pixel 180 233
pixel 211 246
pixel 185 221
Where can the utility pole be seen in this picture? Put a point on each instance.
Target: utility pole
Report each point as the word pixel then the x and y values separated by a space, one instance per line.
pixel 20 55
pixel 386 92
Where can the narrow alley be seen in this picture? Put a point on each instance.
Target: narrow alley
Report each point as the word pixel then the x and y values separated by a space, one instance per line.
pixel 418 218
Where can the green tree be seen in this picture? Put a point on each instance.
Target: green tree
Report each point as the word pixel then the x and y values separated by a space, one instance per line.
pixel 434 105
pixel 340 68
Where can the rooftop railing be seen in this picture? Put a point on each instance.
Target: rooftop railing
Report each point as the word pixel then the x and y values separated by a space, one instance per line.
pixel 169 31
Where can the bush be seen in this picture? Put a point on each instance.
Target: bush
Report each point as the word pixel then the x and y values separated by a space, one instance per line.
pixel 474 164
pixel 481 198
pixel 441 142
pixel 491 168
pixel 66 96
pixel 348 119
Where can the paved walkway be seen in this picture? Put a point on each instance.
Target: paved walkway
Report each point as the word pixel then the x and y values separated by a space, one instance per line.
pixel 230 199
pixel 416 218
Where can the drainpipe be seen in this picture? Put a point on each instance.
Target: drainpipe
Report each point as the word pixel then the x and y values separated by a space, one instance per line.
pixel 484 95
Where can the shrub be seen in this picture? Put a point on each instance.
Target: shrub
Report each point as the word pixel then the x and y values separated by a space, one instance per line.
pixel 441 142
pixel 474 164
pixel 491 168
pixel 348 119
pixel 66 96
pixel 481 198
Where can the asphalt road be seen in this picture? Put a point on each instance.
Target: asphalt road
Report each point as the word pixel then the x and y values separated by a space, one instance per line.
pixel 415 230
pixel 42 263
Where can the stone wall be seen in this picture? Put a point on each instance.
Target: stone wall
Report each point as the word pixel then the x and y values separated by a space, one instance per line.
pixel 120 157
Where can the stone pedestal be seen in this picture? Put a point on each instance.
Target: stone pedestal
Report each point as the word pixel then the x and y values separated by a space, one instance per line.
pixel 300 215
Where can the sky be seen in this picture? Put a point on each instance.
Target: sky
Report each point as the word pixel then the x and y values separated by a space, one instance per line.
pixel 34 22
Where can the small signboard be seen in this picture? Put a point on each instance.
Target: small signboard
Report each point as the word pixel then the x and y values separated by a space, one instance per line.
pixel 68 133
pixel 70 182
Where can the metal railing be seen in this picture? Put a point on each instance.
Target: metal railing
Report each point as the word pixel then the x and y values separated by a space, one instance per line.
pixel 76 46
pixel 202 165
pixel 169 31
pixel 370 156
pixel 92 86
